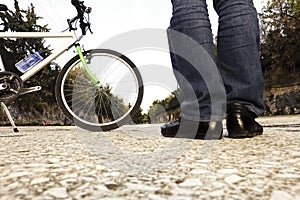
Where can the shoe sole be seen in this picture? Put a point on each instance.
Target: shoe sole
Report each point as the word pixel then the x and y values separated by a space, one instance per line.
pixel 243 135
pixel 197 136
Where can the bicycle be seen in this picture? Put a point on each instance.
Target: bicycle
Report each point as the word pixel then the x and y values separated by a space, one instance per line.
pixel 98 89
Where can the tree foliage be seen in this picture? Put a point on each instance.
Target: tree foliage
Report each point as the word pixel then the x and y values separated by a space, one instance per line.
pixel 139 117
pixel 169 104
pixel 280 49
pixel 13 50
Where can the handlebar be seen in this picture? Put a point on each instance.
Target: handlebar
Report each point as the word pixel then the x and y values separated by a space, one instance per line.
pixel 81 10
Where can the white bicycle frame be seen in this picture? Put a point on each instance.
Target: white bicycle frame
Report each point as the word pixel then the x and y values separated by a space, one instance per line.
pixel 56 52
pixel 73 40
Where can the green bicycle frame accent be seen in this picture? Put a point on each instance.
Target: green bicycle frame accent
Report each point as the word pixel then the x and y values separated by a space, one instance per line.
pixel 86 68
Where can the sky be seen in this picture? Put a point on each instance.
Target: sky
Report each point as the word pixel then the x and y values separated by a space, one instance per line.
pixel 112 18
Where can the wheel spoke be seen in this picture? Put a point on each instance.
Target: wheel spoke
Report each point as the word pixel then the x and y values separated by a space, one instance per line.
pixel 101 108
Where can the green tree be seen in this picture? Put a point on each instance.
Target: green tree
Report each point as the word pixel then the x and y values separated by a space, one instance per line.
pixel 156 109
pixel 13 50
pixel 280 49
pixel 109 106
pixel 170 104
pixel 139 117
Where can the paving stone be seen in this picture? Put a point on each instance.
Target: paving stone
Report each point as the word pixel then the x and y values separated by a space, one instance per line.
pixel 217 194
pixel 199 171
pixel 280 195
pixel 39 180
pixel 227 171
pixel 19 174
pixel 232 179
pixel 155 197
pixel 141 187
pixel 191 182
pixel 43 197
pixel 22 192
pixel 218 185
pixel 59 193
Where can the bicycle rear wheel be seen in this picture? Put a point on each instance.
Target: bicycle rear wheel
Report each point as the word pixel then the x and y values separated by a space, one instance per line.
pixel 104 107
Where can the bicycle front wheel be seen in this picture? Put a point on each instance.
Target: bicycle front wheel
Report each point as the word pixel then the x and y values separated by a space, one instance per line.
pixel 104 107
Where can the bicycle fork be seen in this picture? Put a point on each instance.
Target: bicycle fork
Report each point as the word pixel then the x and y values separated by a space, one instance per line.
pixel 89 73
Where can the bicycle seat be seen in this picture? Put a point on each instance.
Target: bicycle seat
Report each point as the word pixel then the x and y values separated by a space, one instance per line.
pixel 3 7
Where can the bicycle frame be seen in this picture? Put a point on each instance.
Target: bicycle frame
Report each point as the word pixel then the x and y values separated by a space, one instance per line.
pixel 105 103
pixel 12 84
pixel 56 53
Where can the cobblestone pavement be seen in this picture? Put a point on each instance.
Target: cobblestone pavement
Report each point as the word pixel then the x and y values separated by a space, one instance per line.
pixel 136 162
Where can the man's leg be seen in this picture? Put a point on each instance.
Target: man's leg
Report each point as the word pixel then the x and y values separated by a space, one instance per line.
pixel 191 45
pixel 238 53
pixel 195 70
pixel 239 63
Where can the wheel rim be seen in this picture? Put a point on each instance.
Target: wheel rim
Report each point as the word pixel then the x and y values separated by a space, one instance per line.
pixel 107 105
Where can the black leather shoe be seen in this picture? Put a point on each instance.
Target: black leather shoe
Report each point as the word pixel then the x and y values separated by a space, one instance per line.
pixel 241 122
pixel 183 128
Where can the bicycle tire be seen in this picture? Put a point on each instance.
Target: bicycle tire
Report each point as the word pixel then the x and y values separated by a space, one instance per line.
pixel 108 106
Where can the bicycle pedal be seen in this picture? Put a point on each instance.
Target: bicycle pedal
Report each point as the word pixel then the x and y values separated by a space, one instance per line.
pixel 30 89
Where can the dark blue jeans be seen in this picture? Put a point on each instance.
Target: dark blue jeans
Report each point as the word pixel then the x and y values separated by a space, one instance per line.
pixel 238 61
